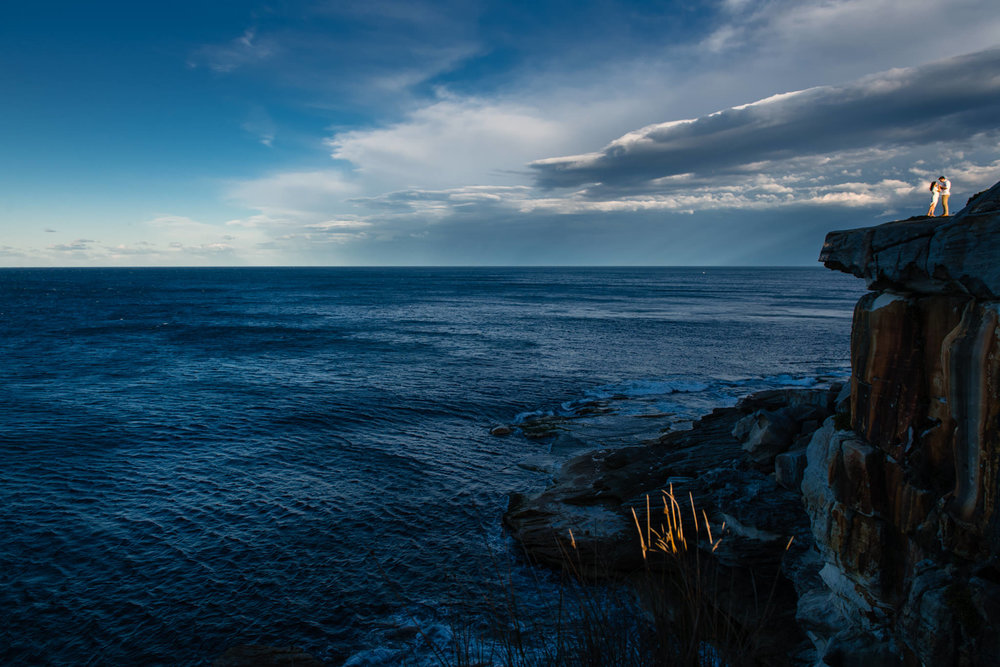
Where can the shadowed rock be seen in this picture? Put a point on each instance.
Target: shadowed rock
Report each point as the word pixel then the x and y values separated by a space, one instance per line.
pixel 585 518
pixel 925 255
pixel 904 505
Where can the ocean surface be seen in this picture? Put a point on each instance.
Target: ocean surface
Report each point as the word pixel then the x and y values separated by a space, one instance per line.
pixel 192 459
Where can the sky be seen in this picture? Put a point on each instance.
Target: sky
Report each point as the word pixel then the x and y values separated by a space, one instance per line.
pixel 481 132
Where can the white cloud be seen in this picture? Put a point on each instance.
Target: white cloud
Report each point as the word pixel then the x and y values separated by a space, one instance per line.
pixel 450 142
pixel 79 245
pixel 848 147
pixel 294 195
pixel 835 36
pixel 339 224
pixel 11 251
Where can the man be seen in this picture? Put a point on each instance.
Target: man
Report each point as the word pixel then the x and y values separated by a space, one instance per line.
pixel 945 186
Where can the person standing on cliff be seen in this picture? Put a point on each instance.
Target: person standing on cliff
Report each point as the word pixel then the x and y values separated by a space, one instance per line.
pixel 945 186
pixel 935 193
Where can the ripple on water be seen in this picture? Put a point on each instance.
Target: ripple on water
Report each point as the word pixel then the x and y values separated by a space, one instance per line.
pixel 197 458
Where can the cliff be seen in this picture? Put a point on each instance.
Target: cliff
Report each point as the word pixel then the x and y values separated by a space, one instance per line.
pixel 888 488
pixel 904 503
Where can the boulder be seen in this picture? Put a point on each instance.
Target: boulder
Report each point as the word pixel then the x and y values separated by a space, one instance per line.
pixel 765 434
pixel 790 467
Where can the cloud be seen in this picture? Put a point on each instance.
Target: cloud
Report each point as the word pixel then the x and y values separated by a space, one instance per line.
pixel 260 125
pixel 175 240
pixel 949 101
pixel 79 245
pixel 831 38
pixel 339 224
pixel 861 147
pixel 175 222
pixel 11 251
pixel 446 154
pixel 294 195
pixel 448 142
pixel 247 49
pixel 349 54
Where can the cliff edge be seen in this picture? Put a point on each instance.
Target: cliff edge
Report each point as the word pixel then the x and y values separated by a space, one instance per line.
pixel 904 503
pixel 953 255
pixel 874 507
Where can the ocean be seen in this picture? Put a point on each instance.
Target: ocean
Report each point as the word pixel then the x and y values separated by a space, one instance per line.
pixel 195 458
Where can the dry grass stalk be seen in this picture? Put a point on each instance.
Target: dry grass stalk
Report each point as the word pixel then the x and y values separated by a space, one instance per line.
pixel 669 536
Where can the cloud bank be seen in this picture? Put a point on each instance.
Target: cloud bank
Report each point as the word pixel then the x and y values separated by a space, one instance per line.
pixel 428 184
pixel 444 131
pixel 950 101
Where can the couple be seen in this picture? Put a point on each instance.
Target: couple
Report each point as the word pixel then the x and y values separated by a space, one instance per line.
pixel 942 187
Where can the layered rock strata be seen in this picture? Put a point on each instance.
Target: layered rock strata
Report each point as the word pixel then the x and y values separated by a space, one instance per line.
pixel 904 503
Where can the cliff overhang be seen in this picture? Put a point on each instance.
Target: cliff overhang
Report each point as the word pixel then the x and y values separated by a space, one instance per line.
pixel 924 255
pixel 905 501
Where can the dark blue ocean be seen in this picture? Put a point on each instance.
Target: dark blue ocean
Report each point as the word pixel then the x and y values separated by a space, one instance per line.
pixel 198 458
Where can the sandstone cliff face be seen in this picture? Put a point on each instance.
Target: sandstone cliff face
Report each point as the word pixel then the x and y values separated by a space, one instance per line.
pixel 904 505
pixel 896 558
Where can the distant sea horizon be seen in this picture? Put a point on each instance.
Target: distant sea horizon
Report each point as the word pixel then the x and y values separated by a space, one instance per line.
pixel 817 265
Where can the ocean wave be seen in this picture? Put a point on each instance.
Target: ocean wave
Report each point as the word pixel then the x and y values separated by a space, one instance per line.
pixel 531 415
pixel 789 381
pixel 639 388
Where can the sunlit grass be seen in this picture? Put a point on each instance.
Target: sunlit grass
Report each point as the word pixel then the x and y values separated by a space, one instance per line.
pixel 669 537
pixel 678 608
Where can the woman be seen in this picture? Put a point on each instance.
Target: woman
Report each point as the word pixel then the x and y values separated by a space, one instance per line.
pixel 935 194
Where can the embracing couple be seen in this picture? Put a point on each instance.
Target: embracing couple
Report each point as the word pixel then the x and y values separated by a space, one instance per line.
pixel 941 187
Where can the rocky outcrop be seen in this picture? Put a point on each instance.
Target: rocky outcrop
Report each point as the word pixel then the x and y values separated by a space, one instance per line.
pixel 717 462
pixel 925 255
pixel 903 500
pixel 725 467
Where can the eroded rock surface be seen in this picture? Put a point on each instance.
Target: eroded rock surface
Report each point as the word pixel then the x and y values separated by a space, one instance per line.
pixel 585 517
pixel 903 505
pixel 926 255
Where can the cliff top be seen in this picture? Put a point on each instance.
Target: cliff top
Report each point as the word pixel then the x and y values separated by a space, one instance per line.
pixel 957 254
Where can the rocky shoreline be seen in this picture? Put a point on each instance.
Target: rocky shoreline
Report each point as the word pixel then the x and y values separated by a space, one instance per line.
pixel 887 487
pixel 741 466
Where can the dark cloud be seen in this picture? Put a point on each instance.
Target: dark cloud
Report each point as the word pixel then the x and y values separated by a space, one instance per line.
pixel 947 101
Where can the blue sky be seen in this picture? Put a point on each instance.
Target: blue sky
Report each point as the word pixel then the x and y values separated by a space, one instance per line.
pixel 395 133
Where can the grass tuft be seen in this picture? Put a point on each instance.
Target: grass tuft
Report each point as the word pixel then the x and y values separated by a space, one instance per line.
pixel 680 608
